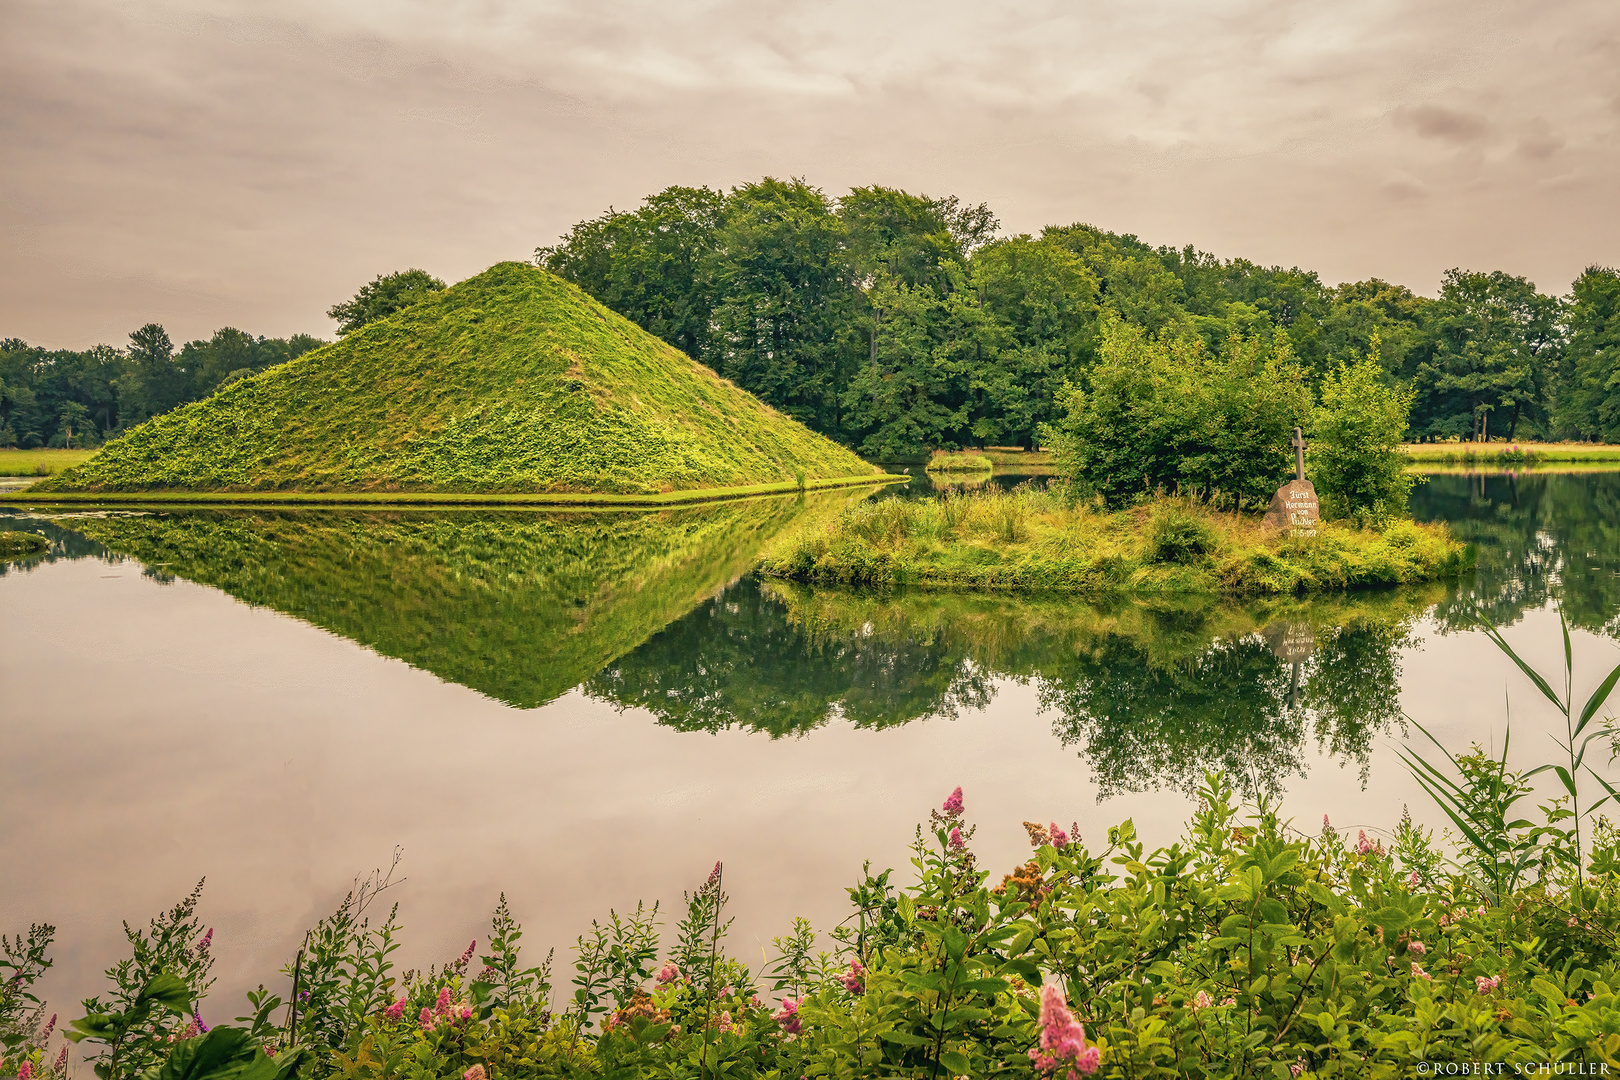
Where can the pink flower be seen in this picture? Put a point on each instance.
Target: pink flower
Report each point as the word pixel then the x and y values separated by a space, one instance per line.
pixel 1572 921
pixel 467 956
pixel 953 805
pixel 26 1071
pixel 396 1010
pixel 1202 1000
pixel 1325 825
pixel 426 1019
pixel 852 980
pixel 49 1027
pixel 957 843
pixel 466 1013
pixel 668 974
pixel 1417 948
pixel 725 1023
pixel 1296 1068
pixel 1412 880
pixel 1418 972
pixel 1363 845
pixel 1229 1001
pixel 196 1019
pixel 714 875
pixel 61 1061
pixel 207 940
pixel 788 1015
pixel 1486 983
pixel 474 1073
pixel 442 1006
pixel 1063 1041
pixel 1060 839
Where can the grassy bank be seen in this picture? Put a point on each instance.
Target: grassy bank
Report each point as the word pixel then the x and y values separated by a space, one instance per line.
pixel 47 497
pixel 959 461
pixel 1031 539
pixel 41 462
pixel 1508 454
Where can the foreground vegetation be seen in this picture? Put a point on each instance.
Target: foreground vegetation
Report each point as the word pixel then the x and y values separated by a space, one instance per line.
pixel 1040 539
pixel 510 382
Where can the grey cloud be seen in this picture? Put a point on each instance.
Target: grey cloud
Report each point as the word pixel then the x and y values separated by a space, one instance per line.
pixel 1438 122
pixel 213 162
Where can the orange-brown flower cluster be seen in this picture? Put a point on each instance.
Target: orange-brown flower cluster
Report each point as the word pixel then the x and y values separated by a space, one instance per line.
pixel 1026 882
pixel 641 1006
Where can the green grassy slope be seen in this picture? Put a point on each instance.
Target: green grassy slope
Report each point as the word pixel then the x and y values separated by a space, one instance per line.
pixel 511 381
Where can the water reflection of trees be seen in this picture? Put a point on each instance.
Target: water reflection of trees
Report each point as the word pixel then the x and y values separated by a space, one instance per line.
pixel 1149 694
pixel 1541 537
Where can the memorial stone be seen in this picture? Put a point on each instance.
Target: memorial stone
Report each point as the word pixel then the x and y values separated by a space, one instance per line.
pixel 1295 507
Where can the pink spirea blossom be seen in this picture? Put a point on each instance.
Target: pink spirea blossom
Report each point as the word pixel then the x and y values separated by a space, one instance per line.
pixel 852 979
pixel 668 973
pixel 1418 972
pixel 1229 1001
pixel 26 1071
pixel 1059 838
pixel 1417 948
pixel 714 875
pixel 788 1015
pixel 725 1026
pixel 207 940
pixel 1063 1041
pixel 442 1006
pixel 466 1013
pixel 426 1019
pixel 1484 984
pixel 466 957
pixel 957 843
pixel 474 1073
pixel 50 1026
pixel 197 1020
pixel 1296 1068
pixel 61 1061
pixel 1325 825
pixel 396 1010
pixel 1412 880
pixel 953 805
pixel 1202 1000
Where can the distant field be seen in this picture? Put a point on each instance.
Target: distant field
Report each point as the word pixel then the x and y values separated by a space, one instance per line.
pixel 40 462
pixel 1522 453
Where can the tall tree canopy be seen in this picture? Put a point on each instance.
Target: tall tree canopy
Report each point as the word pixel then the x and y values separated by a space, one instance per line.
pixel 381 297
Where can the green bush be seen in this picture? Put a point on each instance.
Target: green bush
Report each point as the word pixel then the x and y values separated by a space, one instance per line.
pixel 1177 534
pixel 1356 460
pixel 1165 414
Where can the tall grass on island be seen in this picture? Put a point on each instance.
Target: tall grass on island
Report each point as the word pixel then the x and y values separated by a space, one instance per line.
pixel 1247 948
pixel 947 461
pixel 1508 455
pixel 1041 538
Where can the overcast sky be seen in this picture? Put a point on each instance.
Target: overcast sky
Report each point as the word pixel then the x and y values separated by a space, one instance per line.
pixel 204 163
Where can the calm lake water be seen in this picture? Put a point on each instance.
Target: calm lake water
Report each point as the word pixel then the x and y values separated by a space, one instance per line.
pixel 587 709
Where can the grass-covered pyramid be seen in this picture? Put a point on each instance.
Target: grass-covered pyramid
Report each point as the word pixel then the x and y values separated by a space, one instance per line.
pixel 511 381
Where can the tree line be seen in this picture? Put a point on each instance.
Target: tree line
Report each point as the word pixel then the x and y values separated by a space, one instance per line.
pixel 898 323
pixel 69 398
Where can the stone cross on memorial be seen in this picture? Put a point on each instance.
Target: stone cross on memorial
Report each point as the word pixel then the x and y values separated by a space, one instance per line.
pixel 1295 508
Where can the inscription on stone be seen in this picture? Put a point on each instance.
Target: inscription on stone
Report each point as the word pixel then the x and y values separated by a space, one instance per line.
pixel 1295 508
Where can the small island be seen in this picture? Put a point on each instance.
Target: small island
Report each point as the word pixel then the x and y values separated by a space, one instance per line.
pixel 1166 455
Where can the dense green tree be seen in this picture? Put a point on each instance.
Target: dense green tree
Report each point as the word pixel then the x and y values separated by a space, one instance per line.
pixel 1356 432
pixel 1493 348
pixel 786 300
pixel 650 265
pixel 382 296
pixel 1166 414
pixel 1589 408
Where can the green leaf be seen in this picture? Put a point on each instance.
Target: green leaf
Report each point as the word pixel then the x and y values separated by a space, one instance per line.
pixel 224 1051
pixel 956 1062
pixel 168 991
pixel 1599 696
pixel 904 1038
